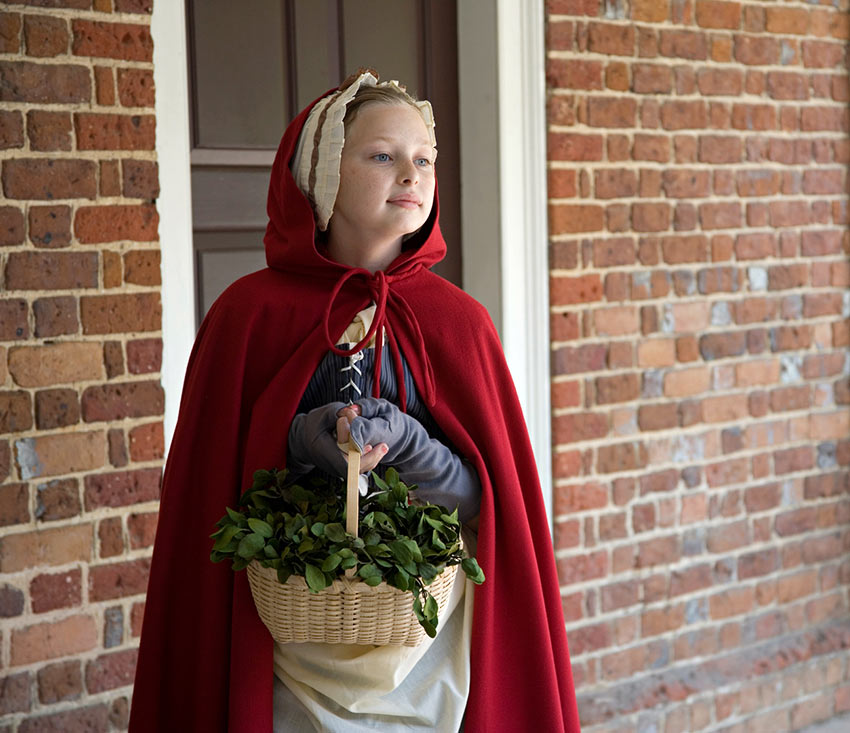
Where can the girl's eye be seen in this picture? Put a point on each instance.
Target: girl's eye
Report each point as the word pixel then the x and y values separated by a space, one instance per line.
pixel 423 161
pixel 382 157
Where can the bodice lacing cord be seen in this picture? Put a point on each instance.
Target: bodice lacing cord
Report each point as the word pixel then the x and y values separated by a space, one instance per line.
pixel 388 304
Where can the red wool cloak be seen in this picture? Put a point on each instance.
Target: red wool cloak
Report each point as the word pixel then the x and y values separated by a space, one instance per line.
pixel 205 660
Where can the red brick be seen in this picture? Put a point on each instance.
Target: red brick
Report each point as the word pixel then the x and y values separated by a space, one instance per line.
pixel 792 460
pixel 121 313
pixel 142 529
pixel 820 243
pixel 690 579
pixel 49 592
pixel 49 640
pixel 126 41
pixel 660 551
pixel 55 316
pixel 787 85
pixel 726 473
pixel 51 270
pixel 15 411
pixel 722 82
pixel 40 178
pixel 658 417
pixel 574 218
pixel 651 147
pixel 648 217
pixel 57 499
pixel 824 181
pixel 136 88
pixel 117 580
pixel 572 290
pixel 45 36
pixel 104 86
pixel 611 112
pixel 661 620
pixel 141 180
pixel 12 226
pixel 719 149
pixel 49 130
pixel 682 115
pixel 571 146
pixel 14 689
pixel 579 426
pixel 651 79
pixel 122 488
pixel 11 130
pixel 620 457
pixel 762 498
pixel 60 682
pixel 822 54
pixel 580 568
pixel 725 215
pixel 96 131
pixel 728 537
pixel 733 602
pixel 56 408
pixel 573 360
pixel 147 442
pixel 619 388
pixel 14 502
pixel 10 34
pixel 683 44
pixel 92 719
pixel 610 39
pixel 23 81
pixel 50 226
pixel 786 20
pixel 716 14
pixel 615 183
pixel 110 671
pixel 753 117
pixel 142 267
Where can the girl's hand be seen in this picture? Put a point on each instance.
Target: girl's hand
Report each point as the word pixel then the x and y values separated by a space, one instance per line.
pixel 371 455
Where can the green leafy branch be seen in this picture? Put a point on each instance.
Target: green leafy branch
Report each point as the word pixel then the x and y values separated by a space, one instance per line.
pixel 300 530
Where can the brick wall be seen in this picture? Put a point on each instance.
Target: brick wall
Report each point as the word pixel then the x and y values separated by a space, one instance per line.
pixel 81 436
pixel 698 157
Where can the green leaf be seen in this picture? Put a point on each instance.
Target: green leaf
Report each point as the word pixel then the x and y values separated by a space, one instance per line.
pixel 250 545
pixel 270 551
pixel 431 607
pixel 369 571
pixel 235 516
pixel 260 527
pixel 348 563
pixel 401 580
pixel 283 574
pixel 335 532
pixel 373 580
pixel 318 529
pixel 227 534
pixel 315 578
pixel 473 570
pixel 331 562
pixel 379 482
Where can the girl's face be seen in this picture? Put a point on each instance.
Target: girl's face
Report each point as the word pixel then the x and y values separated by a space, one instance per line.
pixel 386 187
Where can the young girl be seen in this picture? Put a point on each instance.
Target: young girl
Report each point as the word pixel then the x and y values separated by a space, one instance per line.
pixel 347 330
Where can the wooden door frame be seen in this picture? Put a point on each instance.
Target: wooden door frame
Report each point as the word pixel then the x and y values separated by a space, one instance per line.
pixel 503 168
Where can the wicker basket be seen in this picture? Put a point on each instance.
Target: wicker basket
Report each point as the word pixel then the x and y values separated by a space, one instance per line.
pixel 348 611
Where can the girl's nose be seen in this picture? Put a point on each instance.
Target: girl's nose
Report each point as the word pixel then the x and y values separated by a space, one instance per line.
pixel 409 173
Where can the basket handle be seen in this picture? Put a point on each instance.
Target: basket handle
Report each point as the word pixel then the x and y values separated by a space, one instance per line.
pixel 352 495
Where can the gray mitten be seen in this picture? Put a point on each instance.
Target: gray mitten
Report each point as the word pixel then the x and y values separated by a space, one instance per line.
pixel 312 442
pixel 443 478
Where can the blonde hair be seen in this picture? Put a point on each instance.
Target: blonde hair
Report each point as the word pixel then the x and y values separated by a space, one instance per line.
pixel 385 94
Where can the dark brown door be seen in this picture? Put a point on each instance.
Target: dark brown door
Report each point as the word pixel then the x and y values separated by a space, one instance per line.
pixel 255 63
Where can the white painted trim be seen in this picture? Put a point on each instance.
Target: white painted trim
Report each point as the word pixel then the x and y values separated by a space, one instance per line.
pixel 168 28
pixel 503 169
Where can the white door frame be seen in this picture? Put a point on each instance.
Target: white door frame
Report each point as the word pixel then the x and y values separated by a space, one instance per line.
pixel 501 57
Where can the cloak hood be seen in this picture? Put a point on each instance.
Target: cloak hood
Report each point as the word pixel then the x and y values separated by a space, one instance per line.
pixel 290 238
